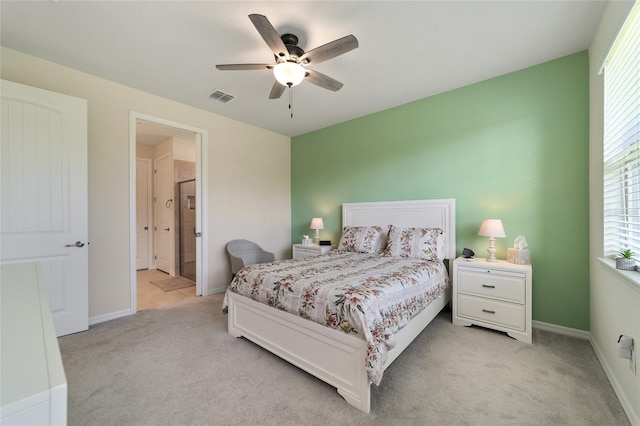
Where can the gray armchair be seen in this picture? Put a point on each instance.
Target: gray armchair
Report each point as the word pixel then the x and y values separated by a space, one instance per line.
pixel 244 253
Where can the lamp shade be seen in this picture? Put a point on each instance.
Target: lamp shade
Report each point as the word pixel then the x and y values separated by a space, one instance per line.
pixel 316 223
pixel 492 228
pixel 289 73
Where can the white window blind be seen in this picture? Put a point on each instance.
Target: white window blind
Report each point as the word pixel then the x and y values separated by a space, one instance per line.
pixel 622 141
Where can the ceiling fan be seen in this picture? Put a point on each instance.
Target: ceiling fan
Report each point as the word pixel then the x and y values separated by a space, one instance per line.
pixel 291 61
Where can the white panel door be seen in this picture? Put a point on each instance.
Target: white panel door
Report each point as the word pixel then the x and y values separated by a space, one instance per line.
pixel 143 210
pixel 43 195
pixel 164 206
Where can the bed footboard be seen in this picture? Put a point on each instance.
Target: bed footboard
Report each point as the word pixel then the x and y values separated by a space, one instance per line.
pixel 330 355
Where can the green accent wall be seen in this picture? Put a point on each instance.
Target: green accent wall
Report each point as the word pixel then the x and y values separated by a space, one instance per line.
pixel 514 147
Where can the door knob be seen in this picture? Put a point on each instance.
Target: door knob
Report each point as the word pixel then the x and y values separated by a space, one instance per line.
pixel 166 229
pixel 76 244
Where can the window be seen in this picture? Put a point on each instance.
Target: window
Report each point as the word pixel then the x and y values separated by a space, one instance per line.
pixel 622 140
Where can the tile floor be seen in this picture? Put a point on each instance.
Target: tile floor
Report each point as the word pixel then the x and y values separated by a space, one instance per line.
pixel 150 296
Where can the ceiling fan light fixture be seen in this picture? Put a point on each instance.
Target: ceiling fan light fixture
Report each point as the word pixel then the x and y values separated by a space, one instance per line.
pixel 289 73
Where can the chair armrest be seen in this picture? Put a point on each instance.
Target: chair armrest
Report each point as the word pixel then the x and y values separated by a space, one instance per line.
pixel 266 256
pixel 236 264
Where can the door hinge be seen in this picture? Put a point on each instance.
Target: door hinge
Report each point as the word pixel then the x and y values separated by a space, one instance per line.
pixel 146 228
pixel 155 257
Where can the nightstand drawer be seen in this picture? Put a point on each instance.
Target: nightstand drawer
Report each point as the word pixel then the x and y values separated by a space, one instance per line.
pixel 492 311
pixel 490 283
pixel 301 250
pixel 304 252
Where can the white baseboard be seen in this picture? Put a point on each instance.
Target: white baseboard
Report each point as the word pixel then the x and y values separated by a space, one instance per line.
pixel 109 317
pixel 629 408
pixel 573 332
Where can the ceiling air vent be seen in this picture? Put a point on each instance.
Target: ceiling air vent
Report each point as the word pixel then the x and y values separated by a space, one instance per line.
pixel 221 96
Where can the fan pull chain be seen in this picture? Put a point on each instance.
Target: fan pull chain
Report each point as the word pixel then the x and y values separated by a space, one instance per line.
pixel 291 100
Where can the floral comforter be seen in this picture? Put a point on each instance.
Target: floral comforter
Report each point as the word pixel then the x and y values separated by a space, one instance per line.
pixel 368 294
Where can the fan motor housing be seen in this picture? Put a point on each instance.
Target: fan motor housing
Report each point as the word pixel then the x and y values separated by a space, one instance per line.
pixel 291 43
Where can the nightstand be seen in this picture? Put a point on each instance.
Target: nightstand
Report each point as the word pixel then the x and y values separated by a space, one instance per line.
pixel 300 250
pixel 493 295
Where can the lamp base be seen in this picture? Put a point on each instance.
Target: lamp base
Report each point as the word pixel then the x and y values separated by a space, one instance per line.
pixel 492 250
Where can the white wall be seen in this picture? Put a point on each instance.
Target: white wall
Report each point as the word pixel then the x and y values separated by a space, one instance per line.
pixel 164 148
pixel 145 151
pixel 249 189
pixel 614 302
pixel 184 149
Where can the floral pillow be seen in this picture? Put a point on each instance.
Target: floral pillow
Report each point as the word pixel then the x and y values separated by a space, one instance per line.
pixel 360 239
pixel 418 243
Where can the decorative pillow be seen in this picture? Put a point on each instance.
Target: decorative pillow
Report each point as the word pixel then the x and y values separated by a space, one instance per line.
pixel 418 243
pixel 360 239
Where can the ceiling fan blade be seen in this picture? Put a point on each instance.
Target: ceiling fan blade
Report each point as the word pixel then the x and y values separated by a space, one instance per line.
pixel 323 81
pixel 330 50
pixel 236 67
pixel 276 91
pixel 270 35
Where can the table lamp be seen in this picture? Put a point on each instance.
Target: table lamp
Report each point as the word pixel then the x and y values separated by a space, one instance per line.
pixel 317 224
pixel 493 229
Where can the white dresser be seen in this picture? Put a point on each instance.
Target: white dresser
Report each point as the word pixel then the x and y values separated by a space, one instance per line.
pixel 300 250
pixel 34 386
pixel 493 295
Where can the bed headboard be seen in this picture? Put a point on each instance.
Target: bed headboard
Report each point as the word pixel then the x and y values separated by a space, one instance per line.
pixel 420 213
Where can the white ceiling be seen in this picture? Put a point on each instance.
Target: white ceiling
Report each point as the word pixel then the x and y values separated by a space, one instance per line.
pixel 408 49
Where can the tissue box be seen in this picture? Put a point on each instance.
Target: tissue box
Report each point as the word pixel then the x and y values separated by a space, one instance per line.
pixel 519 256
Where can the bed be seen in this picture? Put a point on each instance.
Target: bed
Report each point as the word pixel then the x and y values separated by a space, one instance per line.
pixel 341 359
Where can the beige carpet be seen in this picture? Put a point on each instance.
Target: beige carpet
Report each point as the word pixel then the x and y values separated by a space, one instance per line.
pixel 173 283
pixel 178 366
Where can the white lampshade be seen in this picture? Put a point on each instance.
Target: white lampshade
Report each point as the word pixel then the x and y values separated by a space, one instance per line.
pixel 492 228
pixel 316 223
pixel 289 74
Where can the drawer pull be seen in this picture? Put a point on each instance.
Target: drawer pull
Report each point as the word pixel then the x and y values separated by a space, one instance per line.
pixel 488 311
pixel 488 286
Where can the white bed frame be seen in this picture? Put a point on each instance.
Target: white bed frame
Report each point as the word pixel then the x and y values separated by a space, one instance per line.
pixel 331 355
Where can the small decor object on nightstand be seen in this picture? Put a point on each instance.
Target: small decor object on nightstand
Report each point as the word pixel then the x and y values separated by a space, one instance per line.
pixel 626 262
pixel 518 254
pixel 468 253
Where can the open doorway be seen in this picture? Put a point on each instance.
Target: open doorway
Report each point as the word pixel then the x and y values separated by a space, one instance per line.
pixel 187 229
pixel 167 207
